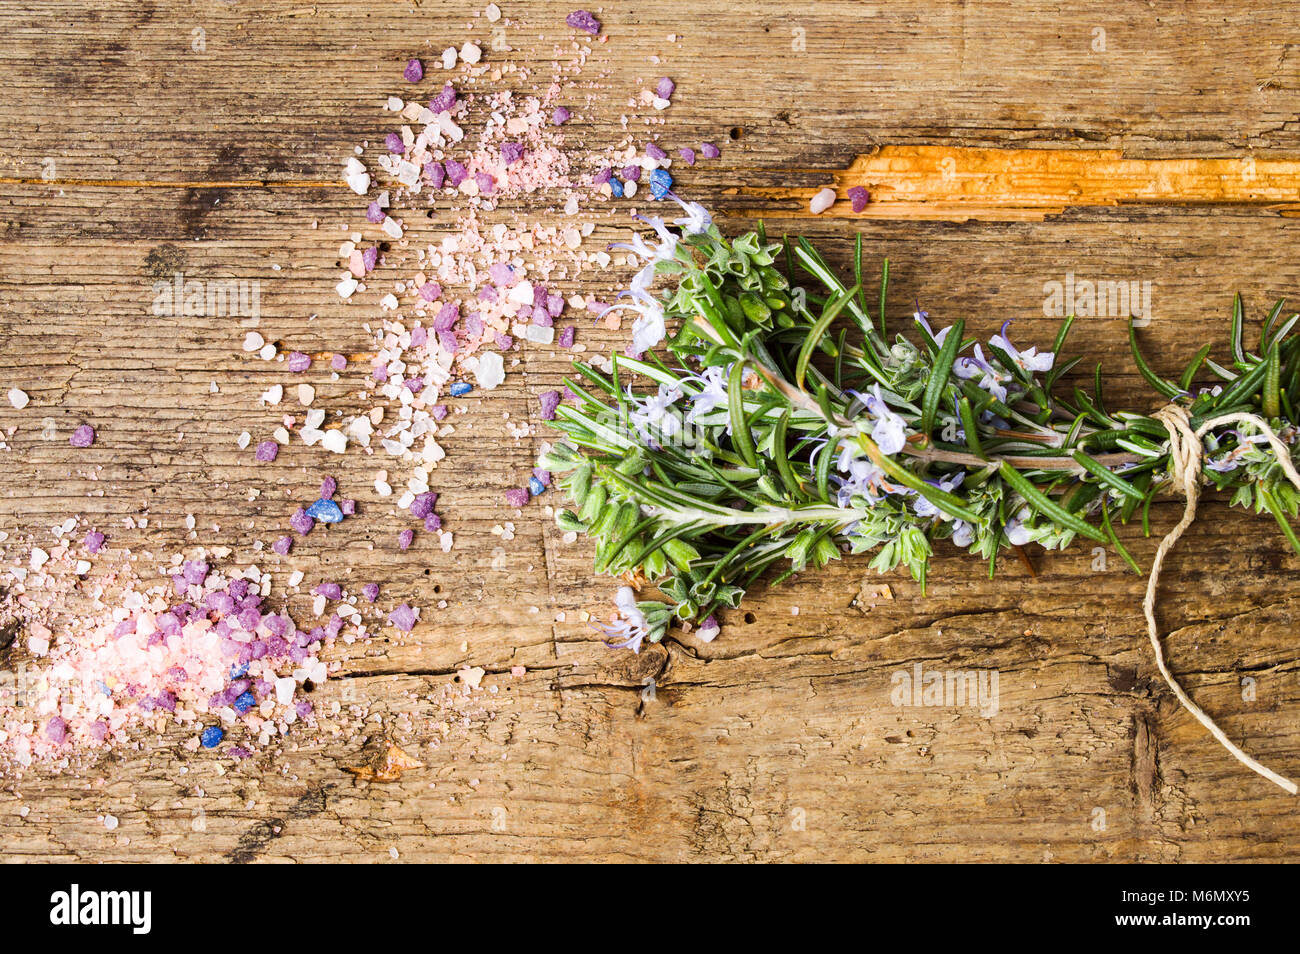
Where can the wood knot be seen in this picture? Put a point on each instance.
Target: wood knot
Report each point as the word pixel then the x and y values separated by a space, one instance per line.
pixel 647 664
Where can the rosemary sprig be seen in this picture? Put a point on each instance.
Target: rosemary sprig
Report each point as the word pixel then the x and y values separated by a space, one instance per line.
pixel 772 441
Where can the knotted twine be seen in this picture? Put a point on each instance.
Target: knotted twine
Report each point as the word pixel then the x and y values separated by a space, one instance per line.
pixel 1185 455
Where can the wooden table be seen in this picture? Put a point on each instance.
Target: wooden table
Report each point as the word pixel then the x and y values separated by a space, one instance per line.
pixel 1007 145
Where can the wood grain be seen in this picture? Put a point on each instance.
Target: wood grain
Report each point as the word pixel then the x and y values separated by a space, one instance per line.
pixel 779 741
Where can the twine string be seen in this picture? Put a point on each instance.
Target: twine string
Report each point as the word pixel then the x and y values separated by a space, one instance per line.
pixel 1185 454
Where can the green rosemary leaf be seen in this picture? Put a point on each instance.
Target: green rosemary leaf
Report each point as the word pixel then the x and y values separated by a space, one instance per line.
pixel 970 429
pixel 884 292
pixel 1048 508
pixel 1272 505
pixel 782 458
pixel 818 331
pixel 1271 397
pixel 1189 373
pixel 939 374
pixel 1114 540
pixel 1235 331
pixel 740 434
pixel 1164 387
pixel 1107 477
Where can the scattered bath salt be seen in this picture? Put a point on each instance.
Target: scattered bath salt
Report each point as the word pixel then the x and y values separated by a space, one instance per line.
pixel 822 201
pixel 253 341
pixel 18 398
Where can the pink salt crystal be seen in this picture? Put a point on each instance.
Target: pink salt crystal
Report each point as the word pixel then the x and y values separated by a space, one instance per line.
pixel 505 342
pixel 560 116
pixel 555 305
pixel 502 274
pixel 380 372
pixel 299 362
pixel 486 184
pixel 566 337
pixel 404 539
pixel 339 362
pixel 439 412
pixel 419 335
pixel 665 87
pixel 517 497
pixel 688 156
pixel 403 618
pixel 709 151
pixel 83 436
pixel 430 291
pixel 268 451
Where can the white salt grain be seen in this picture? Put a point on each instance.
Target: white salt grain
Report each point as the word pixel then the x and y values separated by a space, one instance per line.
pixel 822 201
pixel 18 398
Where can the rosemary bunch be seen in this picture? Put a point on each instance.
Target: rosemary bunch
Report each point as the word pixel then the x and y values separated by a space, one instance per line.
pixel 786 427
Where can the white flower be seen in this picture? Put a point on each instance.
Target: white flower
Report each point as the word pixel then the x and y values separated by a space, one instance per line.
pixel 714 393
pixel 889 432
pixel 657 411
pixel 1029 360
pixel 649 328
pixel 1016 530
pixel 629 627
pixel 697 218
pixel 989 381
pixel 963 534
pixel 924 508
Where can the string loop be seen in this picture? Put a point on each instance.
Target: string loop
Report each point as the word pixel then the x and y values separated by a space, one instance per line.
pixel 1186 453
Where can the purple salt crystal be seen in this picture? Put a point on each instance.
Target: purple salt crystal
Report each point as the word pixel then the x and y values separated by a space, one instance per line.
pixel 370 591
pixel 404 539
pixel 486 184
pixel 543 475
pixel 423 504
pixel 370 258
pixel 278 624
pixel 448 315
pixel 511 152
pixel 433 522
pixel 339 362
pixel 348 506
pixel 448 342
pixel 555 305
pixel 299 362
pixel 858 198
pixel 124 628
pixel 632 173
pixel 688 156
pixel 276 647
pixel 542 317
pixel 268 451
pixel 560 116
pixel 665 87
pixel 94 542
pixel 250 618
pixel 473 325
pixel 582 20
pixel 238 589
pixel 380 372
pixel 56 730
pixel 393 143
pixel 220 602
pixel 414 71
pixel 439 412
pixel 436 173
pixel 415 385
pixel 517 497
pixel 443 101
pixel 653 150
pixel 603 176
pixel 374 214
pixel 505 342
pixel 403 618
pixel 430 291
pixel 502 274
pixel 456 173
pixel 331 591
pixel 419 335
pixel 709 151
pixel 99 730
pixel 302 522
pixel 566 337
pixel 297 654
pixel 303 708
pixel 488 293
pixel 550 401
pixel 328 486
pixel 83 436
pixel 258 648
pixel 195 571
